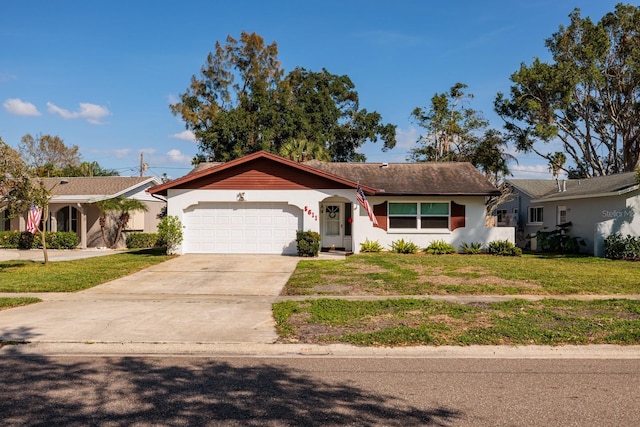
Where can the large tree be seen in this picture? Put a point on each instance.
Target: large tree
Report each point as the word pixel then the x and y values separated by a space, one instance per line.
pixel 46 154
pixel 458 133
pixel 450 124
pixel 20 192
pixel 243 102
pixel 586 98
pixel 10 163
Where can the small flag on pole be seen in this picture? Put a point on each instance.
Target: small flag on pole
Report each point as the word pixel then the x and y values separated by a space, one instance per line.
pixel 362 199
pixel 33 220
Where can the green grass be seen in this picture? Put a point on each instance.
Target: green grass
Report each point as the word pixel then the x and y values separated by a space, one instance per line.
pixel 71 276
pixel 404 322
pixel 397 274
pixel 16 302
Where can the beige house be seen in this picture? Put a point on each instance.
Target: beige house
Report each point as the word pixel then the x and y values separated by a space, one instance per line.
pixel 73 207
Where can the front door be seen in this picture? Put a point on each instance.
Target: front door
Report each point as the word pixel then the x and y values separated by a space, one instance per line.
pixel 333 225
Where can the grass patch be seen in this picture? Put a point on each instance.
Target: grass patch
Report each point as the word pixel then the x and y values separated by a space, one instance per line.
pixel 6 303
pixel 398 274
pixel 71 276
pixel 407 322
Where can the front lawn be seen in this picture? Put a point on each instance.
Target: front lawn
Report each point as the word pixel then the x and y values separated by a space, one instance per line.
pixel 71 276
pixel 6 303
pixel 420 274
pixel 404 322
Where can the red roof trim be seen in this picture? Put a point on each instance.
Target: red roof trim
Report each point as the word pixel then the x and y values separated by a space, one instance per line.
pixel 162 188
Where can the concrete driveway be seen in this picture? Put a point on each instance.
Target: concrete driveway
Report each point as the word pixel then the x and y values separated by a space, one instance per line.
pixel 189 299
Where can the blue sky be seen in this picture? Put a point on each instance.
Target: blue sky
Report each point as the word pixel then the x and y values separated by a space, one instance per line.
pixel 101 75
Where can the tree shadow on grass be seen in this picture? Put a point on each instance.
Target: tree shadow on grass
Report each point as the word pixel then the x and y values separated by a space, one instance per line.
pixel 39 390
pixel 14 264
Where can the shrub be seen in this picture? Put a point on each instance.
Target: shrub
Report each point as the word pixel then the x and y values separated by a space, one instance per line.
pixel 25 240
pixel 308 243
pixel 618 247
pixel 142 240
pixel 503 248
pixel 369 246
pixel 9 239
pixel 58 240
pixel 559 240
pixel 440 247
pixel 402 247
pixel 170 233
pixel 473 248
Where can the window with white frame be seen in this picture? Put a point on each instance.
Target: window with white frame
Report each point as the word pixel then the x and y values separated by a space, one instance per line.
pixel 562 214
pixel 535 215
pixel 418 215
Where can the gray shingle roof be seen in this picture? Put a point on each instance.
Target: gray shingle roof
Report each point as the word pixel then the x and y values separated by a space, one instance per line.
pixel 95 186
pixel 547 190
pixel 436 178
pixel 534 187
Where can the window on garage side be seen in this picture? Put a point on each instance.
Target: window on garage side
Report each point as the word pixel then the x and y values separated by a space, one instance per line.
pixel 425 215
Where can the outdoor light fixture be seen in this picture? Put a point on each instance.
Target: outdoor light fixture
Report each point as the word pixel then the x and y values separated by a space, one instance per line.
pixel 240 197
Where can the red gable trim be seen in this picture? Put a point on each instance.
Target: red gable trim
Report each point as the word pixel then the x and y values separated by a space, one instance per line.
pixel 185 180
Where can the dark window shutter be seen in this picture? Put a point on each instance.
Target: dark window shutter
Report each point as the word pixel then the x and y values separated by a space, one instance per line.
pixel 380 212
pixel 457 216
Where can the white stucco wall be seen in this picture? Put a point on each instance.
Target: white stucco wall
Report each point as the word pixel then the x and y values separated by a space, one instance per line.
pixel 473 231
pixel 362 228
pixel 625 221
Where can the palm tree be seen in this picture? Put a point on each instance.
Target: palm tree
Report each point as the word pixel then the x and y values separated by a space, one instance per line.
pixel 106 206
pixel 125 207
pixel 301 148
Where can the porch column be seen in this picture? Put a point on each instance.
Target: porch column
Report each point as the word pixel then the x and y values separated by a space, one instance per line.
pixel 53 220
pixel 83 225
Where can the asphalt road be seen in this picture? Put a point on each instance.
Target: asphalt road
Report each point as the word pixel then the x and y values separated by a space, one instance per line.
pixel 72 390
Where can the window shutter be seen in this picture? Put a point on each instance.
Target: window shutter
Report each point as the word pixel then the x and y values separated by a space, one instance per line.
pixel 380 211
pixel 457 216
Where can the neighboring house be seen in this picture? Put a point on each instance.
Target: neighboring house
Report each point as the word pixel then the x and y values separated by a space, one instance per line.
pixel 520 212
pixel 72 206
pixel 255 204
pixel 596 207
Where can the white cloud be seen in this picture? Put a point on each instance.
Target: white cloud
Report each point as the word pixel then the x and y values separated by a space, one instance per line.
pixel 406 138
pixel 148 151
pixel 122 153
pixel 92 113
pixel 185 135
pixel 19 107
pixel 178 157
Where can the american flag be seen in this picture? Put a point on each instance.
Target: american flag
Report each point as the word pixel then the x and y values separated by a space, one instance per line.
pixel 33 220
pixel 362 199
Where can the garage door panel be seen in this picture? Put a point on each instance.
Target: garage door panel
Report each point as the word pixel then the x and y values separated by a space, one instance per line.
pixel 242 228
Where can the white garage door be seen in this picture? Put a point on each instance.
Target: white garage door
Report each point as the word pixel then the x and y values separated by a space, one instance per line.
pixel 242 228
